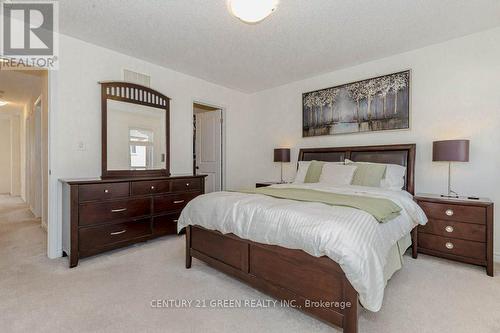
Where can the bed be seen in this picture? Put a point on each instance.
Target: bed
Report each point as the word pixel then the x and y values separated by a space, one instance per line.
pixel 305 278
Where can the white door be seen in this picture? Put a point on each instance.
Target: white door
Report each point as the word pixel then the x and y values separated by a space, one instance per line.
pixel 208 148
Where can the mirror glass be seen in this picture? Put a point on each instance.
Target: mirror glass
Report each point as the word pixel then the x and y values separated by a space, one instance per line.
pixel 136 136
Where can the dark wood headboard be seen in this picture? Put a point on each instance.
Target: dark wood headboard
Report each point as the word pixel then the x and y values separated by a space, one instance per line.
pixel 403 154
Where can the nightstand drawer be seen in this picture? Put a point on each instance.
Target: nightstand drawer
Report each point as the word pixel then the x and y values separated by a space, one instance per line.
pixel 461 213
pixel 452 229
pixel 452 246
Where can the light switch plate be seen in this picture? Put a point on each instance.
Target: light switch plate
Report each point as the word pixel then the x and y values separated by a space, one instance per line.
pixel 81 146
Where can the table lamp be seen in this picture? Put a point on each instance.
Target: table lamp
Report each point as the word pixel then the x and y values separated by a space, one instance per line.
pixel 282 155
pixel 450 151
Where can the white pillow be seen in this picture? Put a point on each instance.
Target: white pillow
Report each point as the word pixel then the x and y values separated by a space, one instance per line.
pixel 394 178
pixel 301 172
pixel 304 166
pixel 337 174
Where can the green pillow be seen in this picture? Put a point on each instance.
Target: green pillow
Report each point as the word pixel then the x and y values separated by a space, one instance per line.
pixel 314 172
pixel 368 174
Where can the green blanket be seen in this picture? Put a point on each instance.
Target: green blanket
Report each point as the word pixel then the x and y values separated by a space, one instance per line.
pixel 382 210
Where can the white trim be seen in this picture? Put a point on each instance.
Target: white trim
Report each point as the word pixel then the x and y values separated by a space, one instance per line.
pixel 496 257
pixel 54 223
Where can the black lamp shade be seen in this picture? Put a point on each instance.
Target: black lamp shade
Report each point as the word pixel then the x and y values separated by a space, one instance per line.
pixel 282 155
pixel 450 151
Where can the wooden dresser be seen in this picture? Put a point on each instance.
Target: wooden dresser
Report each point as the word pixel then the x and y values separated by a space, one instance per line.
pixel 100 215
pixel 458 229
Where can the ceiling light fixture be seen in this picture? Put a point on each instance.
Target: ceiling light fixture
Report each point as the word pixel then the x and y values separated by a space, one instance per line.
pixel 2 103
pixel 252 11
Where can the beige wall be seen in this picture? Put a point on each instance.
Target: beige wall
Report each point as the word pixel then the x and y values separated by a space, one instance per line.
pixel 76 116
pixel 454 94
pixel 5 155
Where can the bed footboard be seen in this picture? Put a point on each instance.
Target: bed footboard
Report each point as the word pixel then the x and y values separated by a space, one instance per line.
pixel 314 285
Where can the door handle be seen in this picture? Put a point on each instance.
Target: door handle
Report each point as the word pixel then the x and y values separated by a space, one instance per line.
pixel 118 232
pixel 118 210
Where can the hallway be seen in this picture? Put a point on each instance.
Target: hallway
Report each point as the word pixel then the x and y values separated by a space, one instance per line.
pixel 22 238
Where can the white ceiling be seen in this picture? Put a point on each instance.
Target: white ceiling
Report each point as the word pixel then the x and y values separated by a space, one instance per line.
pixel 302 38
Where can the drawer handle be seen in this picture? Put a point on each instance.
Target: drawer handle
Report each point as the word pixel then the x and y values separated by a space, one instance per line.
pixel 449 228
pixel 106 191
pixel 178 201
pixel 118 232
pixel 449 212
pixel 187 184
pixel 118 210
pixel 152 187
pixel 449 245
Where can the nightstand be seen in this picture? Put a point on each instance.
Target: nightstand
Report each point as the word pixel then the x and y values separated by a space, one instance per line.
pixel 264 184
pixel 458 229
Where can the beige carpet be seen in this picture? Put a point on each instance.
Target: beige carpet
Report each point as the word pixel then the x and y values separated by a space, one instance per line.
pixel 113 292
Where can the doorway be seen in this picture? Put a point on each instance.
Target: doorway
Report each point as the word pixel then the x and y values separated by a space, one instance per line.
pixel 24 103
pixel 208 145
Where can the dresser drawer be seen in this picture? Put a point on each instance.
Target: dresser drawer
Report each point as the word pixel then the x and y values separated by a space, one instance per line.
pixel 188 184
pixel 469 214
pixel 150 187
pixel 91 192
pixel 92 238
pixel 452 246
pixel 172 202
pixel 94 213
pixel 452 229
pixel 165 224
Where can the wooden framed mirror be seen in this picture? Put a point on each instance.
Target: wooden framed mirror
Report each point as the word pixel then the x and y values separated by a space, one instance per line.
pixel 135 131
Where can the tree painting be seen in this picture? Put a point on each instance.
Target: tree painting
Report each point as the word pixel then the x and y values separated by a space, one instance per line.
pixel 330 96
pixel 308 112
pixel 376 104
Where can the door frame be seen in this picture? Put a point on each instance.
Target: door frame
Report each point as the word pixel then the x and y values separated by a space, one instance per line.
pixel 223 138
pixel 36 116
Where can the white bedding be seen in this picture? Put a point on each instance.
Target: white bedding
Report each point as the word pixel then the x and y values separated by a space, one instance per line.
pixel 350 237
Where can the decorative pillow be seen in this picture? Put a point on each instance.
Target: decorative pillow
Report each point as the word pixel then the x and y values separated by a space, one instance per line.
pixel 314 172
pixel 367 174
pixel 301 172
pixel 337 174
